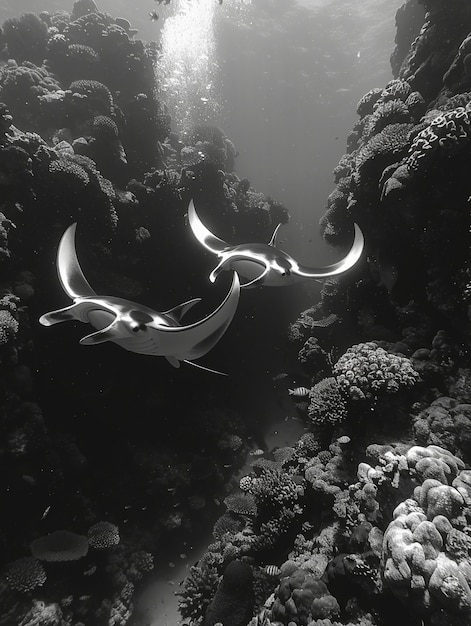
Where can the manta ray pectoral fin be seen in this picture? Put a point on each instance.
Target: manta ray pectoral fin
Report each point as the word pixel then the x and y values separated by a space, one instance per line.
pixel 173 361
pixel 70 273
pixel 272 241
pixel 202 367
pixel 110 333
pixel 195 340
pixel 179 311
pixel 336 268
pixel 72 312
pixel 202 234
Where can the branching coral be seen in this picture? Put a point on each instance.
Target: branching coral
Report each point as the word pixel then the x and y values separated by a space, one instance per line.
pixel 199 589
pixel 22 89
pixel 25 574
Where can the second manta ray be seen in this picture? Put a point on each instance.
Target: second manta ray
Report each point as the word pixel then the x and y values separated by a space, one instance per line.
pixel 263 263
pixel 133 326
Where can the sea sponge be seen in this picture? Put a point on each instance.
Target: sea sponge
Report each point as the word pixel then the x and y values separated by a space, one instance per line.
pixel 60 545
pixel 42 614
pixel 234 600
pixel 367 371
pixel 25 574
pixel 26 37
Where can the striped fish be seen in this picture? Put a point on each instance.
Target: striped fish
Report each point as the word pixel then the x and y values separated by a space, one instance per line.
pixel 299 392
pixel 272 570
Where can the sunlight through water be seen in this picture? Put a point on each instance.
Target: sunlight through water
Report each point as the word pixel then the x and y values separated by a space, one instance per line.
pixel 187 68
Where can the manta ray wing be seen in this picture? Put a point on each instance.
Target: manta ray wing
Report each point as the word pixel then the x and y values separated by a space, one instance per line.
pixel 202 234
pixel 195 340
pixel 70 273
pixel 336 268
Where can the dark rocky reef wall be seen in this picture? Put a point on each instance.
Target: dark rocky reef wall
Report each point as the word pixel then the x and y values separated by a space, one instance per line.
pixel 115 458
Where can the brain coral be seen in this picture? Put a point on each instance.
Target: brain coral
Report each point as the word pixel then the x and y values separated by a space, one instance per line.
pixel 446 423
pixel 301 598
pixel 366 371
pixel 446 134
pixel 426 548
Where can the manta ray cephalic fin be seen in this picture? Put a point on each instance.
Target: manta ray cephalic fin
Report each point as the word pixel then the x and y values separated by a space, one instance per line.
pixel 72 312
pixel 70 273
pixel 177 312
pixel 110 333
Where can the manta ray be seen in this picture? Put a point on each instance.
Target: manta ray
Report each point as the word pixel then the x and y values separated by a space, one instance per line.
pixel 265 264
pixel 135 327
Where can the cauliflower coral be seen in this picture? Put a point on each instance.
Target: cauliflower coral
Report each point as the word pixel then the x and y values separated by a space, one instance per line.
pixel 367 371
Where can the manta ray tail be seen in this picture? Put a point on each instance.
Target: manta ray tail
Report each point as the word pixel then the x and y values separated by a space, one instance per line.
pixel 70 273
pixel 202 367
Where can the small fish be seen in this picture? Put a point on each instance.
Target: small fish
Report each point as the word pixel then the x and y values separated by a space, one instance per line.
pixel 280 376
pixel 257 452
pixel 154 16
pixel 46 511
pixel 299 392
pixel 183 555
pixel 171 564
pixel 272 570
